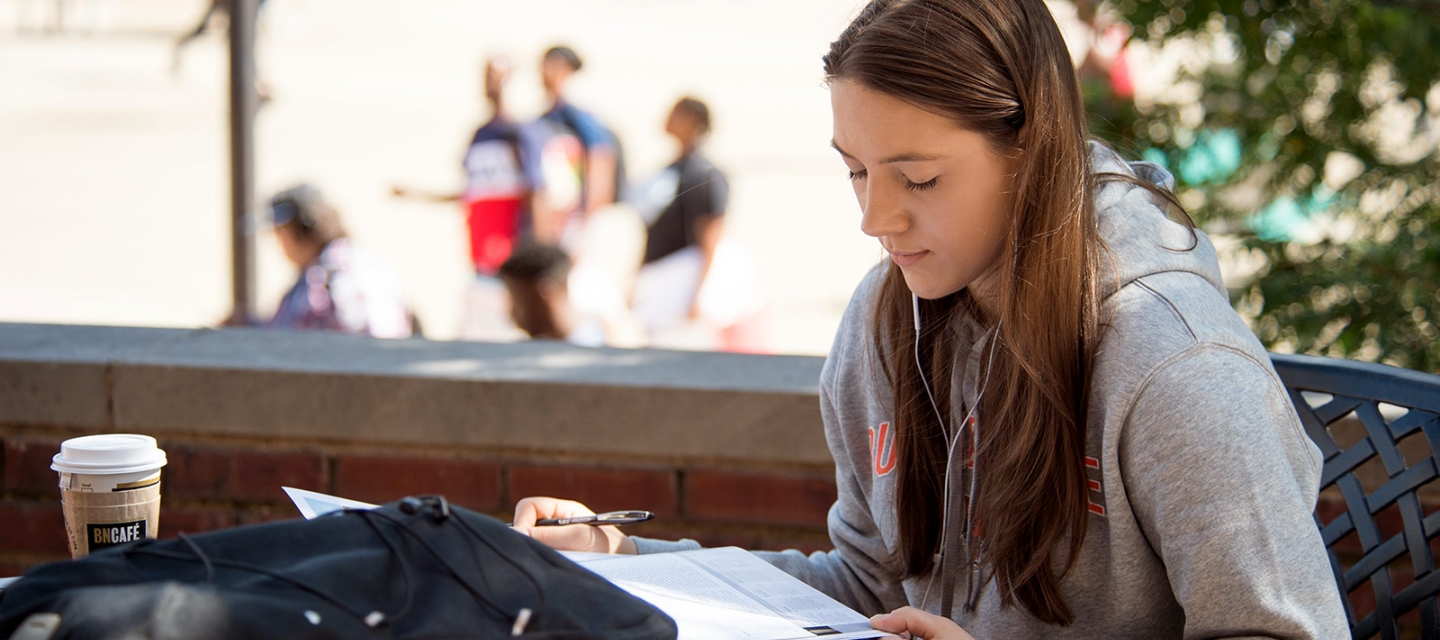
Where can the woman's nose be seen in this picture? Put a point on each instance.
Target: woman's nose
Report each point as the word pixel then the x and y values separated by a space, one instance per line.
pixel 881 212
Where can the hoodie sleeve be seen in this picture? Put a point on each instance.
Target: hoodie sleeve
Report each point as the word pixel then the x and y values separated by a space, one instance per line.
pixel 856 572
pixel 1223 482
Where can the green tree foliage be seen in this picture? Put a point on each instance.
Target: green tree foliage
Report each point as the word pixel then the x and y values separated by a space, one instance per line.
pixel 1309 128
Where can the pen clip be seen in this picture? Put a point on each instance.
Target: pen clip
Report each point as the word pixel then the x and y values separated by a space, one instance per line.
pixel 623 517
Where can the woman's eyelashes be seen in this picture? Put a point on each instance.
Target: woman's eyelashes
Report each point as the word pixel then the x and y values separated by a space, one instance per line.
pixel 913 186
pixel 922 186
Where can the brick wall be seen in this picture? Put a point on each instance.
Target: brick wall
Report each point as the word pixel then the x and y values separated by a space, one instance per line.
pixel 242 412
pixel 216 483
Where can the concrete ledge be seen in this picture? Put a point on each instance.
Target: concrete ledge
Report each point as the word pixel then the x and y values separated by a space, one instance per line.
pixel 333 388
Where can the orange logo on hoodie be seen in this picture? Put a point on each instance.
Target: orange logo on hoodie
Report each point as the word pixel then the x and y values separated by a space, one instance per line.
pixel 1097 508
pixel 882 449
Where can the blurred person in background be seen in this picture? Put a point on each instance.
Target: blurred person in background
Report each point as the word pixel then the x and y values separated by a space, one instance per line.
pixel 341 287
pixel 504 189
pixel 598 161
pixel 684 210
pixel 504 199
pixel 537 277
pixel 585 172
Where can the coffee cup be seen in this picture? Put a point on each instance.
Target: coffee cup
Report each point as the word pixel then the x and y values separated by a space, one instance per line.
pixel 109 490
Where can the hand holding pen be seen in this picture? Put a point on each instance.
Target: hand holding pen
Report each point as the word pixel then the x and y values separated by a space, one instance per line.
pixel 546 520
pixel 598 519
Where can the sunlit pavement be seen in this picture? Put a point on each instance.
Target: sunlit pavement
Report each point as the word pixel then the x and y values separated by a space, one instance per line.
pixel 114 172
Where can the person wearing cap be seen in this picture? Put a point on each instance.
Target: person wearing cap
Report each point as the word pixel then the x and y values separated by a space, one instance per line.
pixel 341 287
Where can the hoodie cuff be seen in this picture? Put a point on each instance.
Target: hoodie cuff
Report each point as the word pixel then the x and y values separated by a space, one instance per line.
pixel 646 545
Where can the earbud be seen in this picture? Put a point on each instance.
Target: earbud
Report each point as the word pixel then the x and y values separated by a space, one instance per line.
pixel 915 304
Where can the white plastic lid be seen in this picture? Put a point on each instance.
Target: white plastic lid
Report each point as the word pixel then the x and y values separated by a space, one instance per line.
pixel 108 453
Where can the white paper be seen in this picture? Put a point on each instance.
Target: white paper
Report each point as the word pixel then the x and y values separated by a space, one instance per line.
pixel 729 594
pixel 313 504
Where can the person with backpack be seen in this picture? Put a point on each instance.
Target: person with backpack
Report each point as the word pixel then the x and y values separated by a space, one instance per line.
pixel 505 201
pixel 599 163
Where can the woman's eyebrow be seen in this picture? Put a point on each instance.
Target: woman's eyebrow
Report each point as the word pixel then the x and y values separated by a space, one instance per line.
pixel 912 157
pixel 904 157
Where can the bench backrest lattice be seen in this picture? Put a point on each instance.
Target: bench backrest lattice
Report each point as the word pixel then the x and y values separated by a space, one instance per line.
pixel 1379 430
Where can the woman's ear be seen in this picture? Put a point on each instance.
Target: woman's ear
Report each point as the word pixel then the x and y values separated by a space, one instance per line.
pixel 1017 154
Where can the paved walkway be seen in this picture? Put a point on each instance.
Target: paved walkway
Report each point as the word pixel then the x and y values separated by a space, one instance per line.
pixel 114 171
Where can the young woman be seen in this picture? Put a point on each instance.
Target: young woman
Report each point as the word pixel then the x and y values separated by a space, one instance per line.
pixel 1046 419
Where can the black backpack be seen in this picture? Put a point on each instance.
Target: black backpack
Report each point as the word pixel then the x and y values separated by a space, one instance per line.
pixel 417 568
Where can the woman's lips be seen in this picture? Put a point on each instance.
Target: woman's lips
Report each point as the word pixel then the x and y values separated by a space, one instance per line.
pixel 905 259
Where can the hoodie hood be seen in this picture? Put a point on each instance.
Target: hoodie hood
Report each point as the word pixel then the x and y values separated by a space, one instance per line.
pixel 1141 240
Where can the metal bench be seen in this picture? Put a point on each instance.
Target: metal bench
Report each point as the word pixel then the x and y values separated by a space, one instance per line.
pixel 1379 430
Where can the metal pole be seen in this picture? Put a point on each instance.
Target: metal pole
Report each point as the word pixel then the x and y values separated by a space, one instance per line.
pixel 243 103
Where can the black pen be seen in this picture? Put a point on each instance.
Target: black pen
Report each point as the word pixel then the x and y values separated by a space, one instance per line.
pixel 599 519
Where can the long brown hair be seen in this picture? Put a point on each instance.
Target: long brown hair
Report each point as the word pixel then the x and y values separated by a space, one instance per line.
pixel 999 68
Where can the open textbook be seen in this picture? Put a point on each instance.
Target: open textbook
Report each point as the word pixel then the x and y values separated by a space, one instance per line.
pixel 712 594
pixel 729 594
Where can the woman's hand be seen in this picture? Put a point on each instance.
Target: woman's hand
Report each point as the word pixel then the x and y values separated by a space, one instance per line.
pixel 918 624
pixel 575 537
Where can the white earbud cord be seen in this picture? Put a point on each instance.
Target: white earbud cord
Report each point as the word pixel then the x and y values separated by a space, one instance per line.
pixel 953 440
pixel 915 305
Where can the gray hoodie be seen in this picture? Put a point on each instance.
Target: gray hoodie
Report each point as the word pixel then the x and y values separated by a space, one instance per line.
pixel 1202 481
